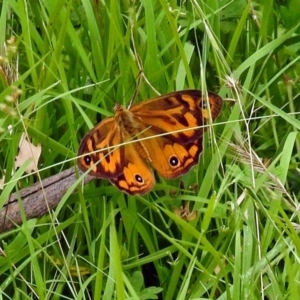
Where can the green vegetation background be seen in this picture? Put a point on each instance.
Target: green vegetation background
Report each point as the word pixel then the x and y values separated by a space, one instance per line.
pixel 72 60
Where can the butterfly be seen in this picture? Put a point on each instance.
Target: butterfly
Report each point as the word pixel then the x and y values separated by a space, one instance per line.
pixel 164 133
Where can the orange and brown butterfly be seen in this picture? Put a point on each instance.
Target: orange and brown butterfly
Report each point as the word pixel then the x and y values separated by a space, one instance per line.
pixel 164 133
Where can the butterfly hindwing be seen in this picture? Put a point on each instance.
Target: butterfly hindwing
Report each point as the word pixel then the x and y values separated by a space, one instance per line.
pixel 137 176
pixel 167 156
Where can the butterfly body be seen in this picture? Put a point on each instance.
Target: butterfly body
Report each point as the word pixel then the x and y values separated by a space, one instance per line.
pixel 164 132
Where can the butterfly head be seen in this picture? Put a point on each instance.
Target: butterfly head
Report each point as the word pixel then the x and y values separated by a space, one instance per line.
pixel 118 108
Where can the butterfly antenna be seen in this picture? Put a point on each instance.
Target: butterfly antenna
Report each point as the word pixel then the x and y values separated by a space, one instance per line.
pixel 141 74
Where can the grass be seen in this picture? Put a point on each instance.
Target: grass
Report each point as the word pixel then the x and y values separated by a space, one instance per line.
pixel 73 60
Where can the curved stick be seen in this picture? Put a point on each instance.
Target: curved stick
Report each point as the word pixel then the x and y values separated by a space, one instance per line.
pixel 37 201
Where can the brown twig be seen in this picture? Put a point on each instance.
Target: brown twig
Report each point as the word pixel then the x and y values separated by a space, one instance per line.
pixel 37 199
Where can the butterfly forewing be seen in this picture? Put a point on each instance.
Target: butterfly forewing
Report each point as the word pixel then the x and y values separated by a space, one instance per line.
pixel 100 152
pixel 211 106
pixel 176 112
